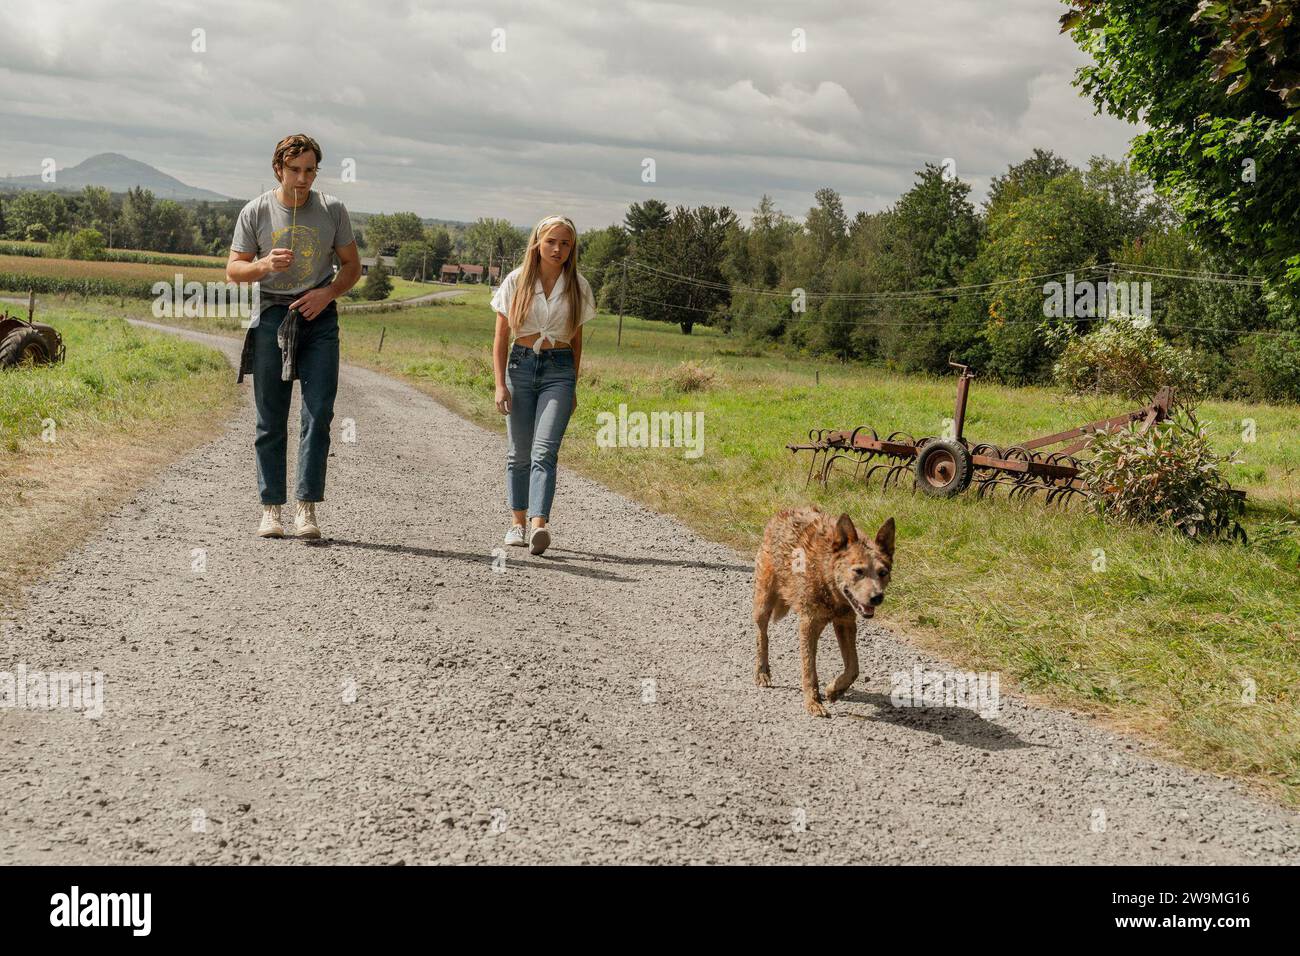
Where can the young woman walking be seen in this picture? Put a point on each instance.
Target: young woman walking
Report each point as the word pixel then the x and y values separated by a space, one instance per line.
pixel 542 306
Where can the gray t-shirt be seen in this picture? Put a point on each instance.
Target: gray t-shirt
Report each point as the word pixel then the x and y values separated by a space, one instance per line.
pixel 321 225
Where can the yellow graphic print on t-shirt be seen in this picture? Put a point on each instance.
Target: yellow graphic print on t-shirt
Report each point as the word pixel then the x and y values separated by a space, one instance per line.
pixel 306 247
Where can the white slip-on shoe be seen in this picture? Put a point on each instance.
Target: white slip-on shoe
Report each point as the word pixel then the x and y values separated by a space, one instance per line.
pixel 271 526
pixel 539 539
pixel 515 536
pixel 306 522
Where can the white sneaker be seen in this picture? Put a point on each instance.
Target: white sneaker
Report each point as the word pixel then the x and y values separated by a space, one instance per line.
pixel 271 526
pixel 306 522
pixel 515 536
pixel 539 539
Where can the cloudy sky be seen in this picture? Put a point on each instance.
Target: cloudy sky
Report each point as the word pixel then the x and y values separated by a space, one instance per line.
pixel 520 109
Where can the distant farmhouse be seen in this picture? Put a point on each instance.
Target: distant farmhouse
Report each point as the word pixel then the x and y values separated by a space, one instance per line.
pixel 390 263
pixel 466 273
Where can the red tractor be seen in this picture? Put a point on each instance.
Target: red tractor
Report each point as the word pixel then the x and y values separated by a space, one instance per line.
pixel 28 343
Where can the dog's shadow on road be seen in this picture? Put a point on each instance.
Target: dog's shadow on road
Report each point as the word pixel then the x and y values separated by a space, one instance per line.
pixel 554 560
pixel 957 724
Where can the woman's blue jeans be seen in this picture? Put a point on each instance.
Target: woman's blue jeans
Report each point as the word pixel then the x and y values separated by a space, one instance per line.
pixel 318 375
pixel 542 386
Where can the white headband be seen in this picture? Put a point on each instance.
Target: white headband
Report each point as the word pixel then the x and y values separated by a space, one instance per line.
pixel 550 219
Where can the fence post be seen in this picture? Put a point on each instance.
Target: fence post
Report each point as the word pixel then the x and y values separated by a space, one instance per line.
pixel 31 304
pixel 622 299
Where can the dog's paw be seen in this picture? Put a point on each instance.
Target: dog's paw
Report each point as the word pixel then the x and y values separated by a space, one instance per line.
pixel 815 708
pixel 832 694
pixel 762 678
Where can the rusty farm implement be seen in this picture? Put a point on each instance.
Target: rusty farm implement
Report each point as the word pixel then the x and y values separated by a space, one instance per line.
pixel 24 342
pixel 947 466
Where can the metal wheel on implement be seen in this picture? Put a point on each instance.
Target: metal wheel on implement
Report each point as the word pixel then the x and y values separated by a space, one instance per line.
pixel 943 468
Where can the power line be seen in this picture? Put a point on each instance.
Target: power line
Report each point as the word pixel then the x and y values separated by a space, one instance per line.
pixel 804 320
pixel 670 305
pixel 1244 283
pixel 1130 266
pixel 945 292
pixel 956 291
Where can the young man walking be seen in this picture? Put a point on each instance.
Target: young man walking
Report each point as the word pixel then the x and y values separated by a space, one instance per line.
pixel 288 240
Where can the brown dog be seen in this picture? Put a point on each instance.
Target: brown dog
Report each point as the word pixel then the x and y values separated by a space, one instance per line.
pixel 828 574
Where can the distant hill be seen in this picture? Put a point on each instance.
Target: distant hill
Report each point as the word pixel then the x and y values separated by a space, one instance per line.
pixel 118 173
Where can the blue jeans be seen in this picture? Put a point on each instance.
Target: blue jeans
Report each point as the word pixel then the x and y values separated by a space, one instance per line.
pixel 318 376
pixel 542 386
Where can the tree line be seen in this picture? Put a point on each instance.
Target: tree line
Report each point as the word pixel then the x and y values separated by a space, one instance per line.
pixel 136 219
pixel 934 278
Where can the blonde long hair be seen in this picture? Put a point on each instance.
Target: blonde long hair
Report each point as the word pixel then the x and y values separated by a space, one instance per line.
pixel 525 288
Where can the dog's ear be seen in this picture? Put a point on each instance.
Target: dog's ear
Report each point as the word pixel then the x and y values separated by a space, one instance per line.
pixel 845 533
pixel 885 538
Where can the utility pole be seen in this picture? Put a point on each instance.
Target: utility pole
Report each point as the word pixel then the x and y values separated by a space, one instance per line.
pixel 424 265
pixel 622 299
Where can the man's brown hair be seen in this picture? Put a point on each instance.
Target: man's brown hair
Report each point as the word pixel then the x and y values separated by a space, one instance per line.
pixel 291 147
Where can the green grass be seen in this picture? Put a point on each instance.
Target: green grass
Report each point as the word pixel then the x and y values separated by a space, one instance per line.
pixel 126 403
pixel 1159 643
pixel 115 376
pixel 406 289
pixel 401 289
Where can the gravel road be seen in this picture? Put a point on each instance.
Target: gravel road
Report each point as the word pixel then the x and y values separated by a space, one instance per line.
pixel 397 304
pixel 388 696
